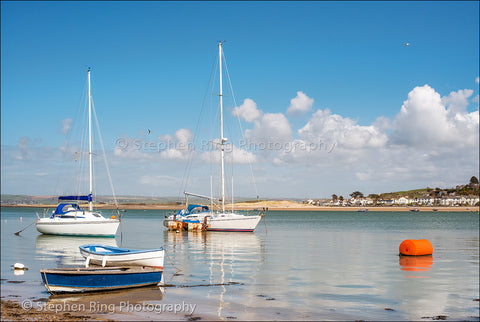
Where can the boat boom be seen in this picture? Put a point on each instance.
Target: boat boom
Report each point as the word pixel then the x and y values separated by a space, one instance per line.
pixel 197 195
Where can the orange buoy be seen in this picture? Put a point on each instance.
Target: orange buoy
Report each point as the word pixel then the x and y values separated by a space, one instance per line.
pixel 113 217
pixel 416 247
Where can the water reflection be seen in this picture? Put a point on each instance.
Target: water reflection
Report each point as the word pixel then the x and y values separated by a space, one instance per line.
pixel 416 264
pixel 231 256
pixel 186 246
pixel 65 248
pixel 321 266
pixel 219 259
pixel 119 301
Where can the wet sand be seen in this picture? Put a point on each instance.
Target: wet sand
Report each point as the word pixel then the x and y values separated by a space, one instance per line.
pixel 136 304
pixel 13 311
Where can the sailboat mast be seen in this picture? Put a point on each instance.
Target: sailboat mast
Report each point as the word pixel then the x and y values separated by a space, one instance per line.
pixel 90 205
pixel 222 139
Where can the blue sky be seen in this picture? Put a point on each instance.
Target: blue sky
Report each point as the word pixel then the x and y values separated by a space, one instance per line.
pixel 151 63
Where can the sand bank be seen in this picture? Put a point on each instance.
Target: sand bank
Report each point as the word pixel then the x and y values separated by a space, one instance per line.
pixel 277 205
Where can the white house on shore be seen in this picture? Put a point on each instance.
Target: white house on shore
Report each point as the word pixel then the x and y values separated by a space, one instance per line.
pixel 402 201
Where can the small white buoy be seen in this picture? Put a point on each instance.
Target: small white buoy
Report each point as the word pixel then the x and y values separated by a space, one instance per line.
pixel 19 266
pixel 21 218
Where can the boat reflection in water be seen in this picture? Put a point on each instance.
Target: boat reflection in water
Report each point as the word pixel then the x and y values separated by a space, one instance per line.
pixel 420 264
pixel 143 299
pixel 65 248
pixel 237 243
pixel 220 262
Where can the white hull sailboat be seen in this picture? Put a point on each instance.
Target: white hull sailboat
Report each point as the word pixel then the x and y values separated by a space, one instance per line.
pixel 102 227
pixel 71 220
pixel 232 222
pixel 216 220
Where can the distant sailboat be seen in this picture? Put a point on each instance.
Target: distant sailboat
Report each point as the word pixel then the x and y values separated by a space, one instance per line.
pixel 68 218
pixel 216 220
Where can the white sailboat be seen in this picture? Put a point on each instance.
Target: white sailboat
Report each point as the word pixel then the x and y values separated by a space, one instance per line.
pixel 216 220
pixel 71 220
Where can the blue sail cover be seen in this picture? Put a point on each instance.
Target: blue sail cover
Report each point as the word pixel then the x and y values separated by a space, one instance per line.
pixel 191 207
pixel 64 208
pixel 85 198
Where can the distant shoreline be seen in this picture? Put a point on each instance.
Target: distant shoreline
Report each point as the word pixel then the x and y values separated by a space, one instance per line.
pixel 271 205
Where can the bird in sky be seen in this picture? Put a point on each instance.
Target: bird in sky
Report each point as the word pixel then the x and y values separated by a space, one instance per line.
pixel 149 131
pixel 406 44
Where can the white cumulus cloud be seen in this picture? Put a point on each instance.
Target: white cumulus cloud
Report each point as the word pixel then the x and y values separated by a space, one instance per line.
pixel 248 111
pixel 344 131
pixel 300 105
pixel 183 146
pixel 233 154
pixel 271 127
pixel 131 148
pixel 457 102
pixel 424 119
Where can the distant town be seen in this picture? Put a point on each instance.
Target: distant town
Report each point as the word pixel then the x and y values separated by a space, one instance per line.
pixel 461 195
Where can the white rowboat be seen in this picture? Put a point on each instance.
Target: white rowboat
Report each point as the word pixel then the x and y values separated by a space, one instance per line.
pixel 105 255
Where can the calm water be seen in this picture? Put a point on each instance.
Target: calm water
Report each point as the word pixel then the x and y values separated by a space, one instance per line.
pixel 302 266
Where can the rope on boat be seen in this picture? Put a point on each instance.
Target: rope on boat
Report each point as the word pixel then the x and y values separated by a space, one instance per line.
pixel 18 232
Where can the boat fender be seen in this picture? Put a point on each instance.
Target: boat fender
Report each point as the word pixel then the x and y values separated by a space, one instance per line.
pixel 172 225
pixel 205 222
pixel 416 247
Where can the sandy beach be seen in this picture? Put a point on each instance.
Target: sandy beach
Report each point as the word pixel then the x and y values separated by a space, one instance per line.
pixel 277 205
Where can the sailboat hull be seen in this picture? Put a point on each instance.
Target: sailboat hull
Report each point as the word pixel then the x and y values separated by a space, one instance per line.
pixel 76 227
pixel 241 224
